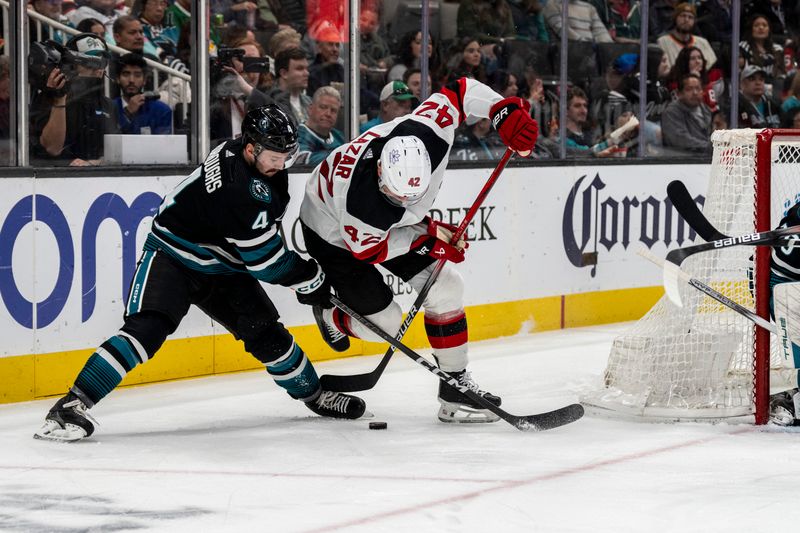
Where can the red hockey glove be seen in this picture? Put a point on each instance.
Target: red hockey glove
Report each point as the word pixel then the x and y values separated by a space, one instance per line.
pixel 437 248
pixel 444 232
pixel 512 120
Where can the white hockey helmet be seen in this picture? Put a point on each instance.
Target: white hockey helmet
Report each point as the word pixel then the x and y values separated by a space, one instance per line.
pixel 405 173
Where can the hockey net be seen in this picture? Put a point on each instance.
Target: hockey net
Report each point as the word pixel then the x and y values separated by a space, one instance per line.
pixel 704 361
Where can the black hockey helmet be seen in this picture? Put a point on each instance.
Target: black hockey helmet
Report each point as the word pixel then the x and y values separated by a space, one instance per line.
pixel 270 128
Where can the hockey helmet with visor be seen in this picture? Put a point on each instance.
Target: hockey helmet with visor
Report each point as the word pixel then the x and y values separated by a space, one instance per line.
pixel 405 170
pixel 270 128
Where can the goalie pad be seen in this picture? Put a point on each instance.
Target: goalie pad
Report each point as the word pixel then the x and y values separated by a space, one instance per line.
pixel 786 308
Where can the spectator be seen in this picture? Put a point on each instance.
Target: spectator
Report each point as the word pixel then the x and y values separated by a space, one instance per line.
pixel 236 33
pixel 413 78
pixel 690 60
pixel 317 136
pixel 180 13
pixel 543 109
pixel 756 110
pixel 621 93
pixel 291 69
pixel 658 94
pixel 715 20
pixel 792 119
pixel 42 32
pixel 374 50
pixel 584 22
pixel 661 15
pixel 580 140
pixel 328 67
pixel 686 122
pixel 70 124
pixel 283 40
pixel 466 61
pixel 139 113
pixel 719 121
pixel 681 36
pixel 759 49
pixel 782 15
pixel 409 56
pixel 252 14
pixel 476 140
pixel 792 99
pixel 152 14
pixel 488 22
pixel 503 83
pixel 396 101
pixel 102 10
pixel 624 21
pixel 90 25
pixel 528 20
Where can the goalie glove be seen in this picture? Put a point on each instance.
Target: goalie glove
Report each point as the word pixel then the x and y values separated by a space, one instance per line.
pixel 314 291
pixel 512 120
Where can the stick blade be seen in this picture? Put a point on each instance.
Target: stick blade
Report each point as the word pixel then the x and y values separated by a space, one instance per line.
pixel 672 278
pixel 551 419
pixel 354 383
pixel 685 205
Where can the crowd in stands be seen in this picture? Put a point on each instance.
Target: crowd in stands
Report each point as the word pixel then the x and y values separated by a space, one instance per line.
pixel 289 52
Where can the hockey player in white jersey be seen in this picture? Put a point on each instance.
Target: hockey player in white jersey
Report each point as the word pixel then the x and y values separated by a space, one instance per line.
pixel 367 203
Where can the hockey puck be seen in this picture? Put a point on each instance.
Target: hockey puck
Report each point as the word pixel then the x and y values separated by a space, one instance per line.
pixel 378 425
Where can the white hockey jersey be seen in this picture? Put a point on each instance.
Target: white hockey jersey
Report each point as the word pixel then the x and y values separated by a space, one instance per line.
pixel 342 203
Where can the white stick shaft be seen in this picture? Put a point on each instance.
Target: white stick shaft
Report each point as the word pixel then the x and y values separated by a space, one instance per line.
pixel 676 273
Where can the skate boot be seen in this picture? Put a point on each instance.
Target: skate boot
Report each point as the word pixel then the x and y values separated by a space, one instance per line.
pixel 783 408
pixel 456 407
pixel 337 340
pixel 67 421
pixel 337 405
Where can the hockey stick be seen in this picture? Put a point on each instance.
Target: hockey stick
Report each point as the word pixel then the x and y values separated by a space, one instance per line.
pixel 359 382
pixel 537 422
pixel 685 205
pixel 676 274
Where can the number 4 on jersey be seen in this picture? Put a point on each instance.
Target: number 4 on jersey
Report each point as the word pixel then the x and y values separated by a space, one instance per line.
pixel 262 221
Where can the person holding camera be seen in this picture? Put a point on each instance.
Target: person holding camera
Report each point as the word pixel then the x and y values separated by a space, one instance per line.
pixel 234 76
pixel 69 112
pixel 139 112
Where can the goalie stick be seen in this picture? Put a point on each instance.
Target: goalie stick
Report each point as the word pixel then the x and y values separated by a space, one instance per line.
pixel 671 288
pixel 686 206
pixel 536 422
pixel 359 382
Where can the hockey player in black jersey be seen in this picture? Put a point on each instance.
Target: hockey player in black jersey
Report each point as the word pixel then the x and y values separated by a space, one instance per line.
pixel 367 203
pixel 216 235
pixel 785 292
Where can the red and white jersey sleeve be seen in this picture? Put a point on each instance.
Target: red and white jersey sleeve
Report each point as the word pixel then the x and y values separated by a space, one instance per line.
pixel 342 203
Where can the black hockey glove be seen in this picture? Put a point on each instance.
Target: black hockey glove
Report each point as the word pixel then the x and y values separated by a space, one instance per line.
pixel 315 291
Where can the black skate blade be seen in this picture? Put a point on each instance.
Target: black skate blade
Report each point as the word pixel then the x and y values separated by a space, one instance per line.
pixel 551 419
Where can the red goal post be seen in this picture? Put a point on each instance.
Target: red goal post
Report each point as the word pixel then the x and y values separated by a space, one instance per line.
pixel 704 362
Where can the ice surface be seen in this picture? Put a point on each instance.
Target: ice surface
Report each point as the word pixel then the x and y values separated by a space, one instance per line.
pixel 235 453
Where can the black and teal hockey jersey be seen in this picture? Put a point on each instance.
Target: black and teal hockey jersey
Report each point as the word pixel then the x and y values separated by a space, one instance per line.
pixel 225 218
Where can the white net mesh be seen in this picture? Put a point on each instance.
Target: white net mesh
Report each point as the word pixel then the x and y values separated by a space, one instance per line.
pixel 696 362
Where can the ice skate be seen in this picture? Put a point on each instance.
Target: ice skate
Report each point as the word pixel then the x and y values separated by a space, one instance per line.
pixel 337 340
pixel 337 405
pixel 456 407
pixel 67 421
pixel 783 408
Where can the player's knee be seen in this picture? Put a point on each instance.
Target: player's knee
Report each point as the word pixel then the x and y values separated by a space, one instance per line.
pixel 270 343
pixel 447 294
pixel 149 330
pixel 388 318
